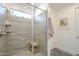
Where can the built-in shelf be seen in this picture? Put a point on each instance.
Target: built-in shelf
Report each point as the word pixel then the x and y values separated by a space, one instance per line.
pixel 7 25
pixel 7 28
pixel 8 31
pixel 2 34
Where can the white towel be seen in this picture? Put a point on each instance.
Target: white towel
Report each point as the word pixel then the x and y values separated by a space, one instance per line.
pixel 50 28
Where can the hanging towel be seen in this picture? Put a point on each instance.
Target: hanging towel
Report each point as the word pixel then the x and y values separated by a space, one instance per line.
pixel 50 28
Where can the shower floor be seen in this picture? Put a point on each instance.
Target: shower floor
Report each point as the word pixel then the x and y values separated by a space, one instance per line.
pixel 25 53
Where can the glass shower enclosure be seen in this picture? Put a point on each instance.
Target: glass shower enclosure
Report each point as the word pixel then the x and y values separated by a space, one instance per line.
pixel 23 29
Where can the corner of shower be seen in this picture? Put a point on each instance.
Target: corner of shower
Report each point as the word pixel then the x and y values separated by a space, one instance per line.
pixel 25 30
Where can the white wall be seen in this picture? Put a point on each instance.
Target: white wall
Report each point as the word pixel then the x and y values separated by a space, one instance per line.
pixel 65 37
pixel 52 41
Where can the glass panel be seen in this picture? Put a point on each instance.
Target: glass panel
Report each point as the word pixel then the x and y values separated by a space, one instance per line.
pixel 25 30
pixel 42 6
pixel 40 32
pixel 77 31
pixel 20 35
pixel 20 14
pixel 2 28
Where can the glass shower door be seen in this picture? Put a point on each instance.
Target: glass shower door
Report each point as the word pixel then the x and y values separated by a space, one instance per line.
pixel 2 29
pixel 76 31
pixel 40 31
pixel 20 35
pixel 26 30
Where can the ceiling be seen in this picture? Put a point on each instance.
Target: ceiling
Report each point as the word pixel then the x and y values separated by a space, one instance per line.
pixel 26 8
pixel 59 6
pixel 20 7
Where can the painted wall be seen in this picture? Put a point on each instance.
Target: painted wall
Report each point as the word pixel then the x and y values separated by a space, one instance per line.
pixel 65 37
